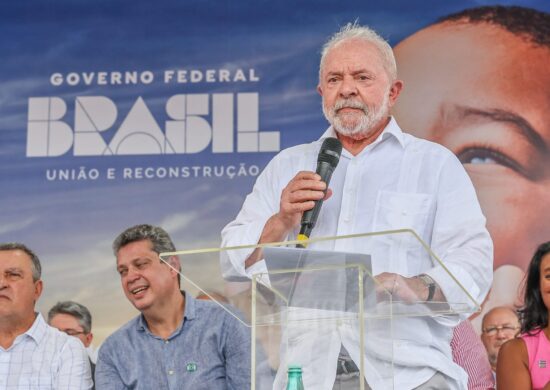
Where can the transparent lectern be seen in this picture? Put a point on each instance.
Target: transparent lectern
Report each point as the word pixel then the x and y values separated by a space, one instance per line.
pixel 318 304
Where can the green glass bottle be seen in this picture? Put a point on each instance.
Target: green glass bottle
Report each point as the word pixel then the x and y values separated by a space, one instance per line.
pixel 294 378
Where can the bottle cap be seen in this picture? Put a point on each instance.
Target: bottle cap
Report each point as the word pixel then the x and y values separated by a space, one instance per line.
pixel 294 367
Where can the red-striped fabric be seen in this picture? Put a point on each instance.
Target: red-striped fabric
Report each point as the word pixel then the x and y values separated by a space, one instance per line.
pixel 470 354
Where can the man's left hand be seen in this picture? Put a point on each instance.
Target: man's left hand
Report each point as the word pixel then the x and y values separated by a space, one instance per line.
pixel 402 289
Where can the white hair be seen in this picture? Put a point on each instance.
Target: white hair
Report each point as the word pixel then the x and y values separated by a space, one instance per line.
pixel 355 31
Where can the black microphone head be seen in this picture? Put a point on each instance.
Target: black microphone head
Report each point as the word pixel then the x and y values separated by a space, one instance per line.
pixel 330 151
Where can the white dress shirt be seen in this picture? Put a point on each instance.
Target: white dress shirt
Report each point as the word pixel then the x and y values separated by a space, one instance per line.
pixel 44 358
pixel 398 181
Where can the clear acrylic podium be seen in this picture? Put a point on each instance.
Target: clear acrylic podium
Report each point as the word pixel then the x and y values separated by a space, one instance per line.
pixel 306 306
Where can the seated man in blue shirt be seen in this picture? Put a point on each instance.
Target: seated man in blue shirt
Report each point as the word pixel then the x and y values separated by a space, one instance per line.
pixel 176 342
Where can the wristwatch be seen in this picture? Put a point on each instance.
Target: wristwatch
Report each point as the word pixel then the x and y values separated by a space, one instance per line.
pixel 430 284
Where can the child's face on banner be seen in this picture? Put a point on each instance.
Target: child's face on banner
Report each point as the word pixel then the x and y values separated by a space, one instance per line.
pixel 483 93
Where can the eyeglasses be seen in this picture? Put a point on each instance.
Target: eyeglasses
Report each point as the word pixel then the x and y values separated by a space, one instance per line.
pixel 73 332
pixel 505 329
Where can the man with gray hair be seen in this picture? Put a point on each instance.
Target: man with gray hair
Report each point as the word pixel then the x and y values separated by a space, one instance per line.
pixel 499 325
pixel 386 180
pixel 177 342
pixel 75 320
pixel 33 354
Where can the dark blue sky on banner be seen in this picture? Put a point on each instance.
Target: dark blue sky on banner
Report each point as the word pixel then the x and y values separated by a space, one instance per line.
pixel 71 223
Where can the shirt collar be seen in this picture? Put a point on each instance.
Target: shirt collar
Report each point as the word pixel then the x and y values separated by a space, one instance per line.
pixel 189 313
pixel 38 329
pixel 391 129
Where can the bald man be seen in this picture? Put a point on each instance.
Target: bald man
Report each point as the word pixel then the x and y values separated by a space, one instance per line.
pixel 499 325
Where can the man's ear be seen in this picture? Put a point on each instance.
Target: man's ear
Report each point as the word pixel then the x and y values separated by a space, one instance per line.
pixel 395 90
pixel 174 261
pixel 89 338
pixel 38 286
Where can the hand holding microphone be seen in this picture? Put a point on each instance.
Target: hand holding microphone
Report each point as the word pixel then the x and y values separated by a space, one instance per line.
pixel 299 196
pixel 327 160
pixel 301 199
pixel 303 196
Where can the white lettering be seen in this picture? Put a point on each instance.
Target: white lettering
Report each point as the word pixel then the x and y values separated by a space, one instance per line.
pixel 147 77
pixel 196 76
pixel 182 76
pixel 252 75
pixel 179 76
pixel 88 78
pixel 239 76
pixel 195 122
pixel 210 76
pixel 56 79
pixel 224 75
pixel 168 74
pixel 116 78
pixel 130 78
pixel 73 78
pixel 102 78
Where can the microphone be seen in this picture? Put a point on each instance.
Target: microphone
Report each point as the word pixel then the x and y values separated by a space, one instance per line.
pixel 328 158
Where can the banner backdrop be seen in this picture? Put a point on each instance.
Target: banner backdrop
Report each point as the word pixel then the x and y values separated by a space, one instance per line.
pixel 119 113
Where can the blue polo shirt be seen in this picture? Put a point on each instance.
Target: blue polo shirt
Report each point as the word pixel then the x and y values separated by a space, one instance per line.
pixel 210 350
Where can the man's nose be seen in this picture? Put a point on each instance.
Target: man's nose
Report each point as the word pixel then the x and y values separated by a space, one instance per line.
pixel 348 88
pixel 132 275
pixel 501 334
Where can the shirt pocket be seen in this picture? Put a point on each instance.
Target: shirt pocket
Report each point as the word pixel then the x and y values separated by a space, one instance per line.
pixel 398 210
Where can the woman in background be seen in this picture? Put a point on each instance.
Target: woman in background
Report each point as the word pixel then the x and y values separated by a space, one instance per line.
pixel 524 363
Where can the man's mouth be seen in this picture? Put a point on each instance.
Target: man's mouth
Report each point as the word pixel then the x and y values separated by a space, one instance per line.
pixel 348 109
pixel 138 290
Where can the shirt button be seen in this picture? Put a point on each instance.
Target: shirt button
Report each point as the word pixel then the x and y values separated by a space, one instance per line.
pixel 171 372
pixel 166 341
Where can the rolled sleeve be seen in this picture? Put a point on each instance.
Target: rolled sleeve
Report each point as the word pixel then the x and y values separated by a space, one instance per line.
pixel 246 229
pixel 461 240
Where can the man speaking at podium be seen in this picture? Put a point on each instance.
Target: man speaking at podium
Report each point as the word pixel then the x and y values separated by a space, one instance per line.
pixel 385 180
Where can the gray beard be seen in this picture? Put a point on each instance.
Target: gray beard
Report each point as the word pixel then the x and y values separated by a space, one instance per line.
pixel 362 126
